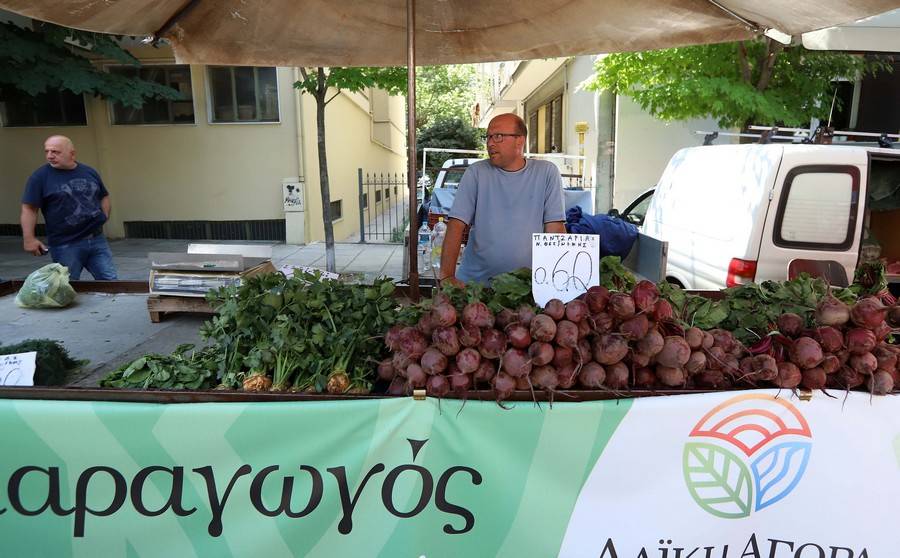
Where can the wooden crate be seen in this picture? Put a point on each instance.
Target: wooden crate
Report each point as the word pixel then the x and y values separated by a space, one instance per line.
pixel 160 306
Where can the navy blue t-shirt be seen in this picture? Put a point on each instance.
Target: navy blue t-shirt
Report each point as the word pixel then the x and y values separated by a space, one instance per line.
pixel 69 199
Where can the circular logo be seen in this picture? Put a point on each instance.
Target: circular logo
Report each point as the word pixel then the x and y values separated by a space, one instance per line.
pixel 746 454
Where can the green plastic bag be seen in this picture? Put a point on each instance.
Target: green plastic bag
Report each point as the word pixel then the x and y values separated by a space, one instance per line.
pixel 47 287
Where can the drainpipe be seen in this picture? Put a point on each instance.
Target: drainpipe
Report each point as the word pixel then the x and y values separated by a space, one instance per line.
pixel 303 225
pixel 605 109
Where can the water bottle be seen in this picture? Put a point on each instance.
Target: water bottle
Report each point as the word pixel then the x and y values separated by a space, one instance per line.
pixel 424 241
pixel 437 245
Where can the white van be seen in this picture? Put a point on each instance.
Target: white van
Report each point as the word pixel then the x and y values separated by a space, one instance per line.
pixel 738 213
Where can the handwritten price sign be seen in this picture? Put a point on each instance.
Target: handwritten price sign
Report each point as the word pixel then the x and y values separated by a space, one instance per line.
pixel 563 265
pixel 18 369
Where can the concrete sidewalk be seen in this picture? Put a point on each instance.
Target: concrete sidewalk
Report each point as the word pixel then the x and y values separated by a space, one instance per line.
pixel 130 257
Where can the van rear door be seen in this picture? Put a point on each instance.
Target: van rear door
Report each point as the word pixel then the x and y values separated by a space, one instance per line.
pixel 814 221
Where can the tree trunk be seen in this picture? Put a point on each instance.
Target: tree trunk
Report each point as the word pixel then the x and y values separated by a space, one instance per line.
pixel 321 90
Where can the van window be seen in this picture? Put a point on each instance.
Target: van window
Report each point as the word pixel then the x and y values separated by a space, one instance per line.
pixel 818 208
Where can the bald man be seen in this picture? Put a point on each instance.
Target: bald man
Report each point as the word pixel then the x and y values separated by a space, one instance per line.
pixel 504 199
pixel 75 205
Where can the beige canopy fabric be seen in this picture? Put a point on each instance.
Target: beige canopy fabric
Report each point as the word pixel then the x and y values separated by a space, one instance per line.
pixel 373 32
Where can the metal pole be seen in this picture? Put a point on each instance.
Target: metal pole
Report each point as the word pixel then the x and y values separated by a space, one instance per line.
pixel 411 143
pixel 362 220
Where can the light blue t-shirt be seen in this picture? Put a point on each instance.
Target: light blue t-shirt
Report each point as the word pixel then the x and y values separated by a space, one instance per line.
pixel 504 209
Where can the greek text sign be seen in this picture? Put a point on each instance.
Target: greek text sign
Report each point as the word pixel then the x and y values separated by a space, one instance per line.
pixel 563 266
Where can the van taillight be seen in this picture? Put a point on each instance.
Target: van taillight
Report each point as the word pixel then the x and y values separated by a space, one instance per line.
pixel 740 272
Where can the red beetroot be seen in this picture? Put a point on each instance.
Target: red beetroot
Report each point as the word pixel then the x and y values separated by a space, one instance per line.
pixel 764 368
pixel 695 364
pixel 592 375
pixel 609 349
pixel 555 309
pixel 426 325
pixel 566 334
pixel 443 314
pixel 675 352
pixel 887 359
pixel 864 364
pixel 790 324
pixel 663 311
pixel 882 383
pixel 485 372
pixel 830 364
pixel 620 306
pixel 789 375
pixel 505 317
pixel 644 377
pixel 541 353
pixel 469 336
pixel 433 362
pixel 715 358
pixel 893 316
pixel 400 361
pixel 468 360
pixel 596 298
pixel 493 343
pixel 617 376
pixel 694 337
pixel 437 386
pixel 723 338
pixel 576 310
pixel 566 376
pixel 670 376
pixel 584 329
pixel 397 387
pixel 460 383
pixel 868 312
pixel 708 340
pixel 860 340
pixel 544 377
pixel 710 379
pixel 524 383
pixel 850 378
pixel 601 322
pixel 639 360
pixel 416 376
pixel 526 313
pixel 445 340
pixel 386 369
pixel 412 342
pixel 645 295
pixel 543 328
pixel 477 314
pixel 562 356
pixel 636 327
pixel 517 335
pixel 504 386
pixel 832 312
pixel 806 353
pixel 515 362
pixel 650 344
pixel 814 378
pixel 830 339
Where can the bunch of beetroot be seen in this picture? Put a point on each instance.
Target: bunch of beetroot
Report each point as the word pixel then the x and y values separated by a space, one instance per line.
pixel 845 349
pixel 604 340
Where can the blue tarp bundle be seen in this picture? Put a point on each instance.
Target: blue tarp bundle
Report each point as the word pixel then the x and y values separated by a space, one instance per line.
pixel 616 235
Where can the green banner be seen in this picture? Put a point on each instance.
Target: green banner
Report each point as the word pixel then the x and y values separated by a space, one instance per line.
pixel 379 477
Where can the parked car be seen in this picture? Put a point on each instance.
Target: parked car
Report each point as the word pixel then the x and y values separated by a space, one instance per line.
pixel 636 210
pixel 738 213
pixel 446 183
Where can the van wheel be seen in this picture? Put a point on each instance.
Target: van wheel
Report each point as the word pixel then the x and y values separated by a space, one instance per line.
pixel 674 281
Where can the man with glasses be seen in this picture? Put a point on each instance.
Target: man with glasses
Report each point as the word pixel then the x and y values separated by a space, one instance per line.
pixel 504 199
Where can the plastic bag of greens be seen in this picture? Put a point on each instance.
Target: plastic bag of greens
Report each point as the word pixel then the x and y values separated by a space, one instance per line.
pixel 47 287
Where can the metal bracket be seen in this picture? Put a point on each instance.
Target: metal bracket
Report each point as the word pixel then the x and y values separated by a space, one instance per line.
pixel 708 139
pixel 883 141
pixel 804 395
pixel 419 395
pixel 765 136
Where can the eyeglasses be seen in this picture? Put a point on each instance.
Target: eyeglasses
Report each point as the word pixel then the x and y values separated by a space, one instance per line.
pixel 498 137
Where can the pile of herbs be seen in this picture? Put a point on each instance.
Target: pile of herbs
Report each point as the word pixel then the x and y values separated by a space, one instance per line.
pixel 179 370
pixel 53 365
pixel 302 333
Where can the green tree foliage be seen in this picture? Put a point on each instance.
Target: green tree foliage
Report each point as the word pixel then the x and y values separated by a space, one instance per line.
pixel 450 133
pixel 748 82
pixel 324 84
pixel 53 57
pixel 443 93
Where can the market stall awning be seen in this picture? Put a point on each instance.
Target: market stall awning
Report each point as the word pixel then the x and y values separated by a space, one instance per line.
pixel 373 32
pixel 879 33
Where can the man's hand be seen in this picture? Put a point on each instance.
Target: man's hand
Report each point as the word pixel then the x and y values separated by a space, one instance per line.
pixel 35 246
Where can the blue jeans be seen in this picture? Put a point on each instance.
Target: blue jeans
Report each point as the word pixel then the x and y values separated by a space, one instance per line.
pixel 92 253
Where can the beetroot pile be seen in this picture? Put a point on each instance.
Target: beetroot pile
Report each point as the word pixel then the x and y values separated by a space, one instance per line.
pixel 619 341
pixel 846 348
